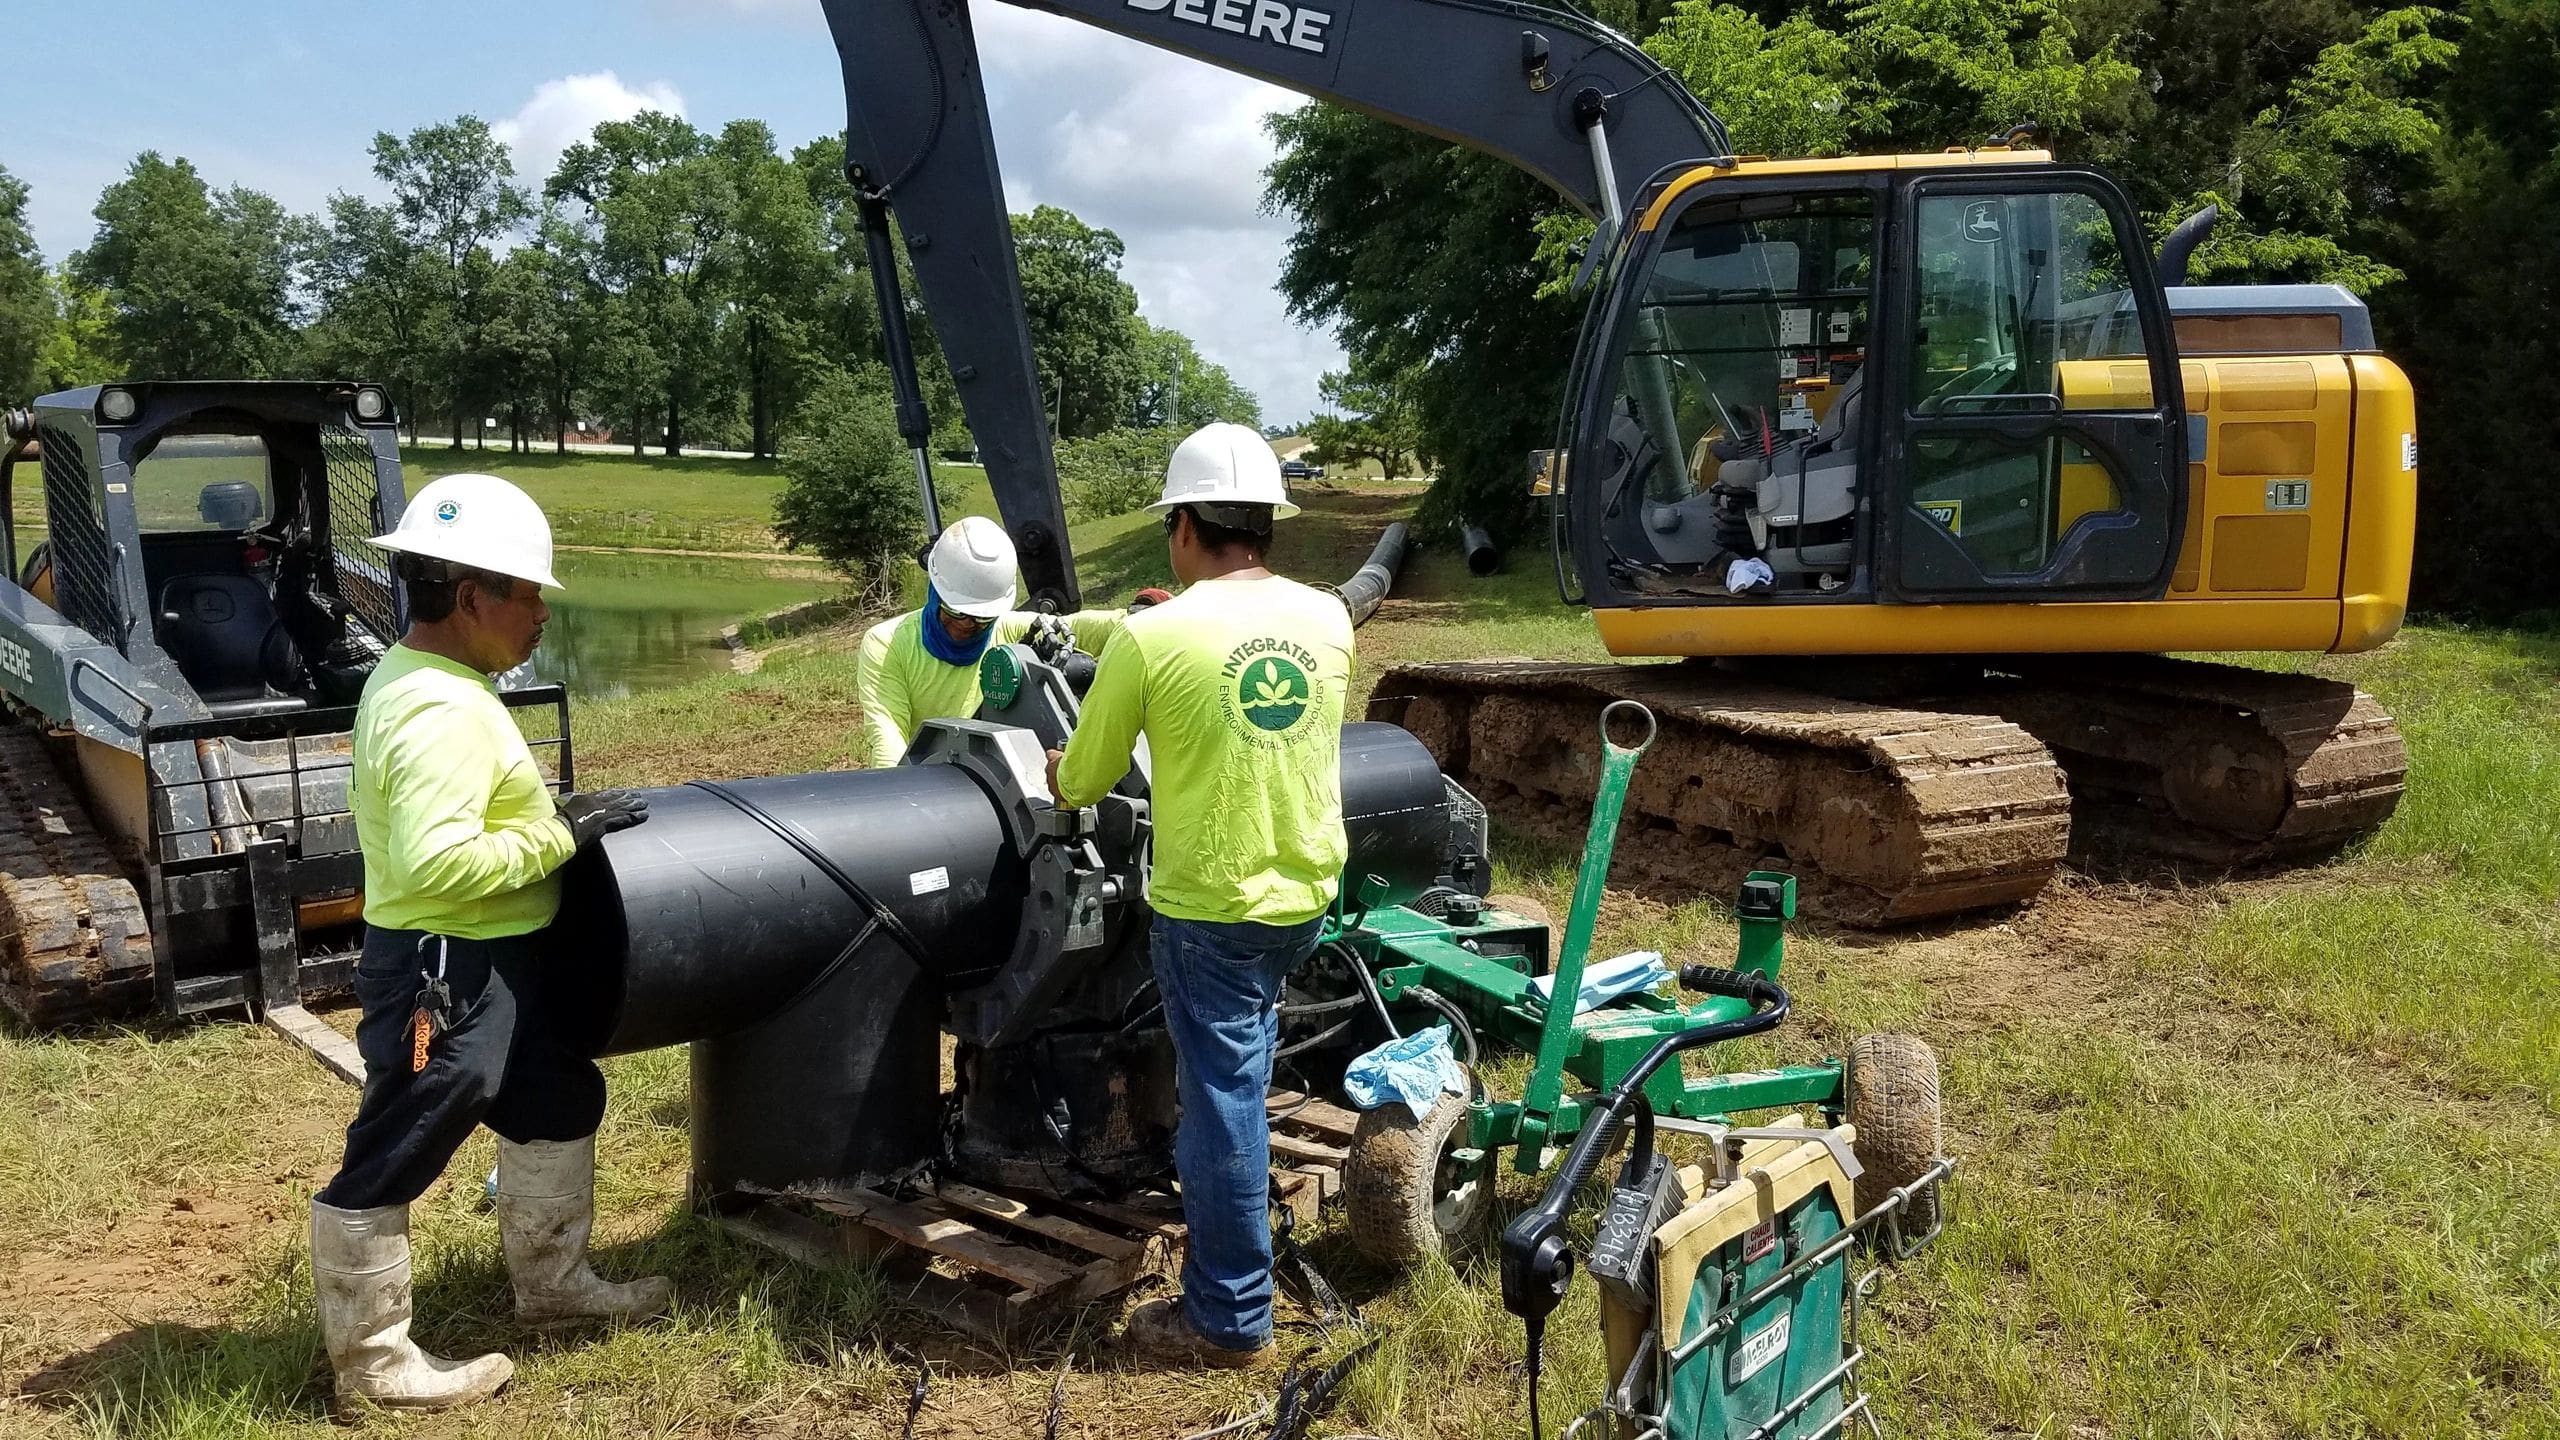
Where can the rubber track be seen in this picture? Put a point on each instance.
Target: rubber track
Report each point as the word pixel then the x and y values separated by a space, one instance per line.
pixel 74 942
pixel 1884 815
pixel 2209 764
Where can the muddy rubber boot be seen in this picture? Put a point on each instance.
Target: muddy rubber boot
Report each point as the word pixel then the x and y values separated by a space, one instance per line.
pixel 546 1207
pixel 360 1276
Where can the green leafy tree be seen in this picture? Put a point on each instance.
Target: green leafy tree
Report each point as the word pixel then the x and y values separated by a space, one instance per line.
pixel 1172 376
pixel 1084 319
pixel 1370 417
pixel 848 485
pixel 1116 471
pixel 778 259
pixel 658 206
pixel 453 198
pixel 2482 304
pixel 200 282
pixel 380 312
pixel 81 349
pixel 26 296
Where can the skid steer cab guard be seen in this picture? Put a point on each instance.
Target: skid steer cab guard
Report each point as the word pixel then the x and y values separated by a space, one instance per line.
pixel 182 644
pixel 1726 1294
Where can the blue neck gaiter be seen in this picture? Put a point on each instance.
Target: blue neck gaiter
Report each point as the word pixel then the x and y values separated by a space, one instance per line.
pixel 938 642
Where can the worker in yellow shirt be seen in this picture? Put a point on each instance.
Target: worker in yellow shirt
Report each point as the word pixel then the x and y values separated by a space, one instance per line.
pixel 923 665
pixel 1237 684
pixel 462 848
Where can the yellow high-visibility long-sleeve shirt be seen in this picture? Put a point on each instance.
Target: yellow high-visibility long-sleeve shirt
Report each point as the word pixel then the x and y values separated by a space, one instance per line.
pixel 901 685
pixel 1238 686
pixel 458 831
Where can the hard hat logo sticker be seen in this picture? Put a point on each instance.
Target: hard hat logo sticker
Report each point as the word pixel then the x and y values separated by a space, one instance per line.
pixel 448 512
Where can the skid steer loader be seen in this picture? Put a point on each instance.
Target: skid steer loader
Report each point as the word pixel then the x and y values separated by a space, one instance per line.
pixel 180 656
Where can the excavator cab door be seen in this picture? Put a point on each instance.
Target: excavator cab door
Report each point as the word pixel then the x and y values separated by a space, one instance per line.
pixel 2037 441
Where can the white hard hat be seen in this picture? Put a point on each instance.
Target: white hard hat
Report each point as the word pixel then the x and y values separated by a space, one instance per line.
pixel 1224 464
pixel 480 521
pixel 972 567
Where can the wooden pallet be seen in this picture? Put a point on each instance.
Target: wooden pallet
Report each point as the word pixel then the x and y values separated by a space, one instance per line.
pixel 990 1262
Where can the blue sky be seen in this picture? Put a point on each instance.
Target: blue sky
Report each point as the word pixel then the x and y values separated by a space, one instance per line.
pixel 284 96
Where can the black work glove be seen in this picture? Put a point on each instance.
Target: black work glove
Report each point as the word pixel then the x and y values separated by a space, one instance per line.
pixel 594 814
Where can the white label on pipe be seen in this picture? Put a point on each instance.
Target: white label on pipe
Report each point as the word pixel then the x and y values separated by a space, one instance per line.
pixel 925 882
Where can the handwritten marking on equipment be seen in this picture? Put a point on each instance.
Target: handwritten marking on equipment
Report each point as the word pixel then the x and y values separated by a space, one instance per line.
pixel 1298 27
pixel 1756 1351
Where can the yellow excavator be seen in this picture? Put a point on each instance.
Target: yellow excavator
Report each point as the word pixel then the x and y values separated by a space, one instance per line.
pixel 1928 458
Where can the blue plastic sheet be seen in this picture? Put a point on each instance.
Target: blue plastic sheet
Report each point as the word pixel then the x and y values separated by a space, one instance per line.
pixel 1411 1070
pixel 1606 981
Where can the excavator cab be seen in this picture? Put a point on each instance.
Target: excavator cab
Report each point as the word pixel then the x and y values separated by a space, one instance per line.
pixel 1888 384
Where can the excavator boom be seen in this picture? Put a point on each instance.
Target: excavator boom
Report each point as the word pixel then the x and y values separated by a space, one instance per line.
pixel 1562 97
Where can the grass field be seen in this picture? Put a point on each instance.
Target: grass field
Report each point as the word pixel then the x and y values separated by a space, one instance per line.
pixel 2271 1157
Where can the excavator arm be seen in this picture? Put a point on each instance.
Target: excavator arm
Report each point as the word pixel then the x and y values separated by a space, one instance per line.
pixel 1557 94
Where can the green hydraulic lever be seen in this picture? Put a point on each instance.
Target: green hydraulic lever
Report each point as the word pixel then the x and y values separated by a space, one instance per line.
pixel 1555 1034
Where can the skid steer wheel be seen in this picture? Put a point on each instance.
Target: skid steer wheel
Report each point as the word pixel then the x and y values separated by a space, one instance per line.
pixel 1402 1184
pixel 1893 1100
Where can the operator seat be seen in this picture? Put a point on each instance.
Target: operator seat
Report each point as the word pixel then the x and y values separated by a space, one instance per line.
pixel 226 638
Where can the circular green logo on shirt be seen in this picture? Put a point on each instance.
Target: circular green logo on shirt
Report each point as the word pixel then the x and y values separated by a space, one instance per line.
pixel 1273 693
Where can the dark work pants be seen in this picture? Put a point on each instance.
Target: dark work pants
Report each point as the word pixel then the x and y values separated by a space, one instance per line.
pixel 501 1061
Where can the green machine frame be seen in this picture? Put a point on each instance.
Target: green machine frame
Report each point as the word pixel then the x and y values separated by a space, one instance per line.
pixel 1417 959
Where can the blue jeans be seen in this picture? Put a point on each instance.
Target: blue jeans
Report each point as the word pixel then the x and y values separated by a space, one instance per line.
pixel 1221 985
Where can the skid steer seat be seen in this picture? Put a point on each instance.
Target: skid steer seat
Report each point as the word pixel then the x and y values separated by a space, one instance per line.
pixel 228 641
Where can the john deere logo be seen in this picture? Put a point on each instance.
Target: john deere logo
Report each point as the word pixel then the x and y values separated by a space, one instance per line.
pixel 1269 688
pixel 448 512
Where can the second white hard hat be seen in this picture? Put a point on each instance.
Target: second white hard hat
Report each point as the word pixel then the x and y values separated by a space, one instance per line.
pixel 972 567
pixel 477 520
pixel 1225 464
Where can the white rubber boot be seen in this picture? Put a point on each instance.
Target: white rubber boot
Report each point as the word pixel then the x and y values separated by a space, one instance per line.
pixel 546 1207
pixel 360 1275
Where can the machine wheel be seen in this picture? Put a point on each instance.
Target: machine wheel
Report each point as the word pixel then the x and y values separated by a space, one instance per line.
pixel 74 942
pixel 1401 1186
pixel 1893 1100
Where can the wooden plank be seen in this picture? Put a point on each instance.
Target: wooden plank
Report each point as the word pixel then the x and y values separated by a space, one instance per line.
pixel 800 1238
pixel 1155 1213
pixel 1315 1115
pixel 1301 1194
pixel 1328 1179
pixel 1057 1227
pixel 334 1051
pixel 1292 1148
pixel 949 1236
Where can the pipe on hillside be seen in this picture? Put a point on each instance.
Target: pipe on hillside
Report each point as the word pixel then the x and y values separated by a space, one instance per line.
pixel 1369 584
pixel 1477 542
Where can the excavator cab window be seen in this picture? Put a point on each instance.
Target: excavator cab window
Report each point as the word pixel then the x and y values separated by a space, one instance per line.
pixel 1732 423
pixel 2039 437
pixel 1798 402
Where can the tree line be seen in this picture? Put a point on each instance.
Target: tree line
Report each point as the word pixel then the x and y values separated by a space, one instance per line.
pixel 2408 153
pixel 672 285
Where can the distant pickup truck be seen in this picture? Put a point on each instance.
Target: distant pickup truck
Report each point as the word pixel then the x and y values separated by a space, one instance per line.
pixel 1300 470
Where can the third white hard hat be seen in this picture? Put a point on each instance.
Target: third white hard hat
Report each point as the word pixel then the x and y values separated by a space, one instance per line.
pixel 1224 464
pixel 477 520
pixel 972 567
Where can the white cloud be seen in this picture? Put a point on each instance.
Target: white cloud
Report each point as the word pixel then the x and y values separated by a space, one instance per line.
pixel 1168 153
pixel 565 111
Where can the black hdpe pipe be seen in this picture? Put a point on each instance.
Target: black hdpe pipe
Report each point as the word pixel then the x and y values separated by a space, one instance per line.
pixel 1477 542
pixel 776 924
pixel 1368 586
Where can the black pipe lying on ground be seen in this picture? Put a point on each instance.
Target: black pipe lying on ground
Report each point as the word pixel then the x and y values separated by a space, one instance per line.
pixel 1482 558
pixel 1369 584
pixel 809 933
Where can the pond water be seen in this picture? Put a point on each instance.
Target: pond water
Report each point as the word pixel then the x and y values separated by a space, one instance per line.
pixel 621 623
